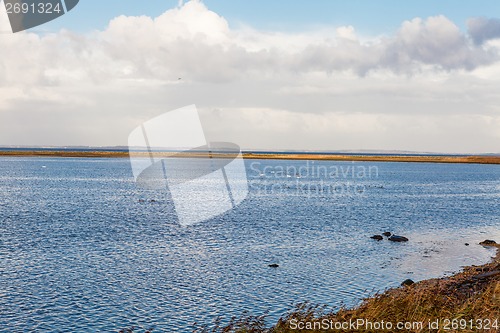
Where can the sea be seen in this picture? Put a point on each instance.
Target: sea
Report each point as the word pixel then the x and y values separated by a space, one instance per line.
pixel 84 248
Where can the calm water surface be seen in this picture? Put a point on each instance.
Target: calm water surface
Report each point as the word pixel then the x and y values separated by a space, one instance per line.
pixel 81 252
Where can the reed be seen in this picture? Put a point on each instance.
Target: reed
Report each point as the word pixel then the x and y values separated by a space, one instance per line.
pixel 460 303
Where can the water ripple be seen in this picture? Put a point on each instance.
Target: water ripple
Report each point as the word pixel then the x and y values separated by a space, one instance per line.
pixel 80 253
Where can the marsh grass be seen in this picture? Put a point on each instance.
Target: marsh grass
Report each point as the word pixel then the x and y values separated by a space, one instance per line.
pixel 476 159
pixel 473 294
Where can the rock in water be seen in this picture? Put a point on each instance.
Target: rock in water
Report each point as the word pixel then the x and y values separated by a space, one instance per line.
pixel 387 234
pixel 407 282
pixel 488 242
pixel 395 238
pixel 377 237
pixel 274 265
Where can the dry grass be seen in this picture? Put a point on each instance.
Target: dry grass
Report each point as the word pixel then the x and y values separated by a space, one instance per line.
pixel 64 153
pixel 473 294
pixel 478 159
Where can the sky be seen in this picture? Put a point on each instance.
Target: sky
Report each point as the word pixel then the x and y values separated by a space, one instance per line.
pixel 277 75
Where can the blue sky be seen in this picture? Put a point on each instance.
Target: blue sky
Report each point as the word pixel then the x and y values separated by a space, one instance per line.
pixel 368 17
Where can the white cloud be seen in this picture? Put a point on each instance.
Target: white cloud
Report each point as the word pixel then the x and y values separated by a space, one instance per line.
pixel 436 41
pixel 346 33
pixel 419 89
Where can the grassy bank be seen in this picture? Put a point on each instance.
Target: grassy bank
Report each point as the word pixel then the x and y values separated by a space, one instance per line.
pixel 478 159
pixel 64 153
pixel 466 302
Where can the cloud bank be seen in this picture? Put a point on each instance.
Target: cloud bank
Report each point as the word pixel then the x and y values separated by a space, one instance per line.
pixel 428 87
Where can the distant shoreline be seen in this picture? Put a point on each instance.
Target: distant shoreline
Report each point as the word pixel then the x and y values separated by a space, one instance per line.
pixel 468 159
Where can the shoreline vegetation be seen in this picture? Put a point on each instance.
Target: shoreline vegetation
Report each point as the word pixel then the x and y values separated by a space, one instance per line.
pixel 470 159
pixel 468 301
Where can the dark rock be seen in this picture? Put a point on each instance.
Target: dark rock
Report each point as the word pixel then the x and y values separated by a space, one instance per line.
pixel 487 275
pixel 274 265
pixel 395 238
pixel 407 282
pixel 377 237
pixel 488 242
pixel 466 244
pixel 387 234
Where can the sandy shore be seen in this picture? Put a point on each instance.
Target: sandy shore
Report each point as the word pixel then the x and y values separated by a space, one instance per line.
pixel 478 159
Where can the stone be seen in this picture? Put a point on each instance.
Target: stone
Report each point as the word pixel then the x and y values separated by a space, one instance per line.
pixel 407 282
pixel 395 238
pixel 487 275
pixel 488 242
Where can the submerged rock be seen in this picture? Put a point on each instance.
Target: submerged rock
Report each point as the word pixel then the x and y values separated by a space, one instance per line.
pixel 395 238
pixel 377 237
pixel 274 265
pixel 387 234
pixel 407 282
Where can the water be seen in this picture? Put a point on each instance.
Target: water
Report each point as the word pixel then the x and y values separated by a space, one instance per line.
pixel 79 251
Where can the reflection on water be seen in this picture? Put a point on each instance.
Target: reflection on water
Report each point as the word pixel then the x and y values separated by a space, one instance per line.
pixel 83 249
pixel 447 251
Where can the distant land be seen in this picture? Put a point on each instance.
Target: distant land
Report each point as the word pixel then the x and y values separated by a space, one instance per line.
pixel 344 155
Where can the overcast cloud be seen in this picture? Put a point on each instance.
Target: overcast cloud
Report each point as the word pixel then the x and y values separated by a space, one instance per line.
pixel 428 87
pixel 482 29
